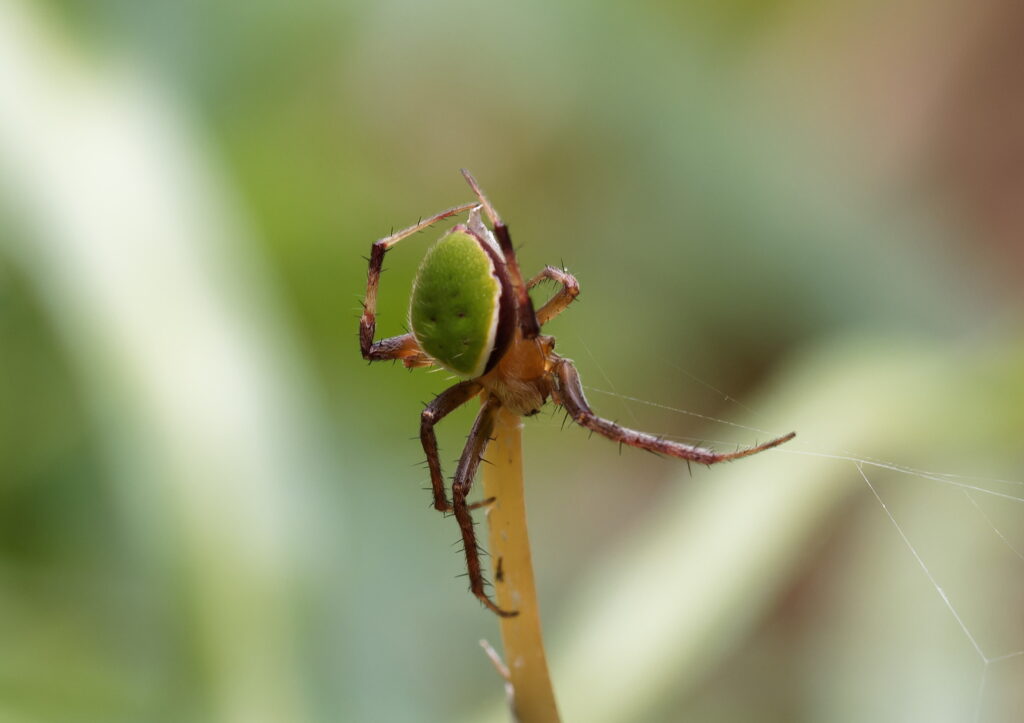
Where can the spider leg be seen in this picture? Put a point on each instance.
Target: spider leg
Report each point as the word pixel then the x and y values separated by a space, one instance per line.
pixel 396 347
pixel 444 403
pixel 402 347
pixel 565 296
pixel 528 323
pixel 479 436
pixel 568 392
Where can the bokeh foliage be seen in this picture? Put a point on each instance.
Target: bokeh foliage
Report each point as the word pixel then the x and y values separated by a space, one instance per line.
pixel 757 198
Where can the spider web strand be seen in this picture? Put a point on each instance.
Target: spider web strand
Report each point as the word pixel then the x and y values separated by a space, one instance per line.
pixel 924 567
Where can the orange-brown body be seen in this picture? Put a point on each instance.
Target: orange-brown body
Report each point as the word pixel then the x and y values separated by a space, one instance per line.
pixel 521 380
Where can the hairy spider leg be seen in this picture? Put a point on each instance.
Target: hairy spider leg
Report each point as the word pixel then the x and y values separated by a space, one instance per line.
pixel 447 401
pixel 565 296
pixel 479 436
pixel 528 324
pixel 568 392
pixel 403 346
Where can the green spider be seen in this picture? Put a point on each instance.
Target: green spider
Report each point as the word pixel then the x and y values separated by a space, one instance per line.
pixel 471 314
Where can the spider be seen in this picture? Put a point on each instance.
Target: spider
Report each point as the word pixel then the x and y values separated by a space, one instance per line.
pixel 471 314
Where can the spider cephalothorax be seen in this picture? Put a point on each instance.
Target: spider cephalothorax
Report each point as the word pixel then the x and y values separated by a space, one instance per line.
pixel 471 313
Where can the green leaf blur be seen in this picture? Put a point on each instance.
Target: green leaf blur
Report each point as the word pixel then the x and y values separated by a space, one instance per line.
pixel 783 215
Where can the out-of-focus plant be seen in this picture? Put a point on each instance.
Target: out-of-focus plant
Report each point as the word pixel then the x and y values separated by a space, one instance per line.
pixel 806 207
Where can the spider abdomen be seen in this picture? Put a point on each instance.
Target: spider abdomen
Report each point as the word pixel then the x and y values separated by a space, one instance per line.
pixel 461 304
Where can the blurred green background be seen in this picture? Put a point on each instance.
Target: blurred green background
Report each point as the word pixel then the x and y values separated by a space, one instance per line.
pixel 783 215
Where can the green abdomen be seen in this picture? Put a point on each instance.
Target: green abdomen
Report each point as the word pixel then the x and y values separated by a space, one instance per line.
pixel 454 308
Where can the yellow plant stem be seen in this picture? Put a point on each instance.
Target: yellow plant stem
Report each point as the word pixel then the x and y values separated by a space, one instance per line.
pixel 512 574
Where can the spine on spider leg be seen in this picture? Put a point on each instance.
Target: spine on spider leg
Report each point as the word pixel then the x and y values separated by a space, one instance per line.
pixel 533 697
